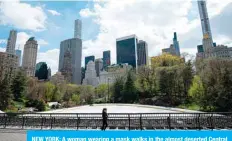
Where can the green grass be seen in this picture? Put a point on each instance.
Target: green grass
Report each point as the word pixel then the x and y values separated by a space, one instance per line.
pixel 19 104
pixel 191 106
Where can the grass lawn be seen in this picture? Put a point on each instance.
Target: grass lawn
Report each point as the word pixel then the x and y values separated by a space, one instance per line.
pixel 191 106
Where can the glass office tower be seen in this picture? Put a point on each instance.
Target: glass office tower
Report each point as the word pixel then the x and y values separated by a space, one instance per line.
pixel 106 59
pixel 127 50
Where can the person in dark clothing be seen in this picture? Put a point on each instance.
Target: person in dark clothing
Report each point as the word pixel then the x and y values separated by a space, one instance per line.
pixel 104 119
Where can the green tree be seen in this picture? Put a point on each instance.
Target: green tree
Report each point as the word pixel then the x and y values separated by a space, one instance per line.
pixel 216 77
pixel 130 94
pixel 71 89
pixel 146 82
pixel 42 73
pixel 165 60
pixel 76 99
pixel 101 91
pixel 118 89
pixel 187 75
pixel 18 86
pixel 56 95
pixel 166 82
pixel 49 89
pixel 197 91
pixel 5 94
pixel 31 88
pixel 41 105
pixel 87 94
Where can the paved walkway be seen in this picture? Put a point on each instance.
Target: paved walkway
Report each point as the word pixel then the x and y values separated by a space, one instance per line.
pixel 12 135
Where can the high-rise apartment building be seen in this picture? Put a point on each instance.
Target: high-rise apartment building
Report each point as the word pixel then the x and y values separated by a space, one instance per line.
pixel 98 66
pixel 8 64
pixel 206 30
pixel 77 29
pixel 11 42
pixel 174 48
pixel 70 60
pixel 208 49
pixel 142 52
pixel 30 56
pixel 89 58
pixel 106 59
pixel 91 75
pixel 19 54
pixel 127 50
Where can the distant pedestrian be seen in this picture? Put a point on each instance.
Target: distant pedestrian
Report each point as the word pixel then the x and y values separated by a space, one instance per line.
pixel 104 119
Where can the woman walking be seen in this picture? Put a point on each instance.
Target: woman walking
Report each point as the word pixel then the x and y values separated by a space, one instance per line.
pixel 104 119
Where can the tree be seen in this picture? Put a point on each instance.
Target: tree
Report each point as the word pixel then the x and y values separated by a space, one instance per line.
pixel 130 94
pixel 42 73
pixel 216 76
pixel 31 88
pixel 101 91
pixel 56 95
pixel 146 82
pixel 166 83
pixel 41 105
pixel 71 90
pixel 197 91
pixel 5 94
pixel 19 85
pixel 165 60
pixel 87 94
pixel 187 76
pixel 76 99
pixel 118 89
pixel 49 88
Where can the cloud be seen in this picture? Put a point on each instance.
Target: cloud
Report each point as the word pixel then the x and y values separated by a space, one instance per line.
pixel 2 49
pixel 152 21
pixel 149 23
pixel 22 15
pixel 3 41
pixel 42 42
pixel 51 57
pixel 22 38
pixel 86 13
pixel 54 13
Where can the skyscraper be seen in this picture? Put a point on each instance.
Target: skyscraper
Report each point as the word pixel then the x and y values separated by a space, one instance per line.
pixel 91 75
pixel 38 65
pixel 207 35
pixel 174 48
pixel 142 52
pixel 127 50
pixel 98 66
pixel 77 28
pixel 176 44
pixel 11 42
pixel 49 73
pixel 106 59
pixel 70 59
pixel 89 58
pixel 19 54
pixel 30 56
pixel 8 64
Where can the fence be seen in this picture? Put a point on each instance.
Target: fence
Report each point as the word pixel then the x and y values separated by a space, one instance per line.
pixel 131 121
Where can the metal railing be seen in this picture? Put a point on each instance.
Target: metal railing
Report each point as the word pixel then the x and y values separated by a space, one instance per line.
pixel 129 121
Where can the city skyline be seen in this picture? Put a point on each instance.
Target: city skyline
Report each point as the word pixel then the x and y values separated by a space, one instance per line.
pixel 99 36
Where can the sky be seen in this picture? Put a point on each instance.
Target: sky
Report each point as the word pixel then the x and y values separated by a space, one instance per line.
pixel 153 21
